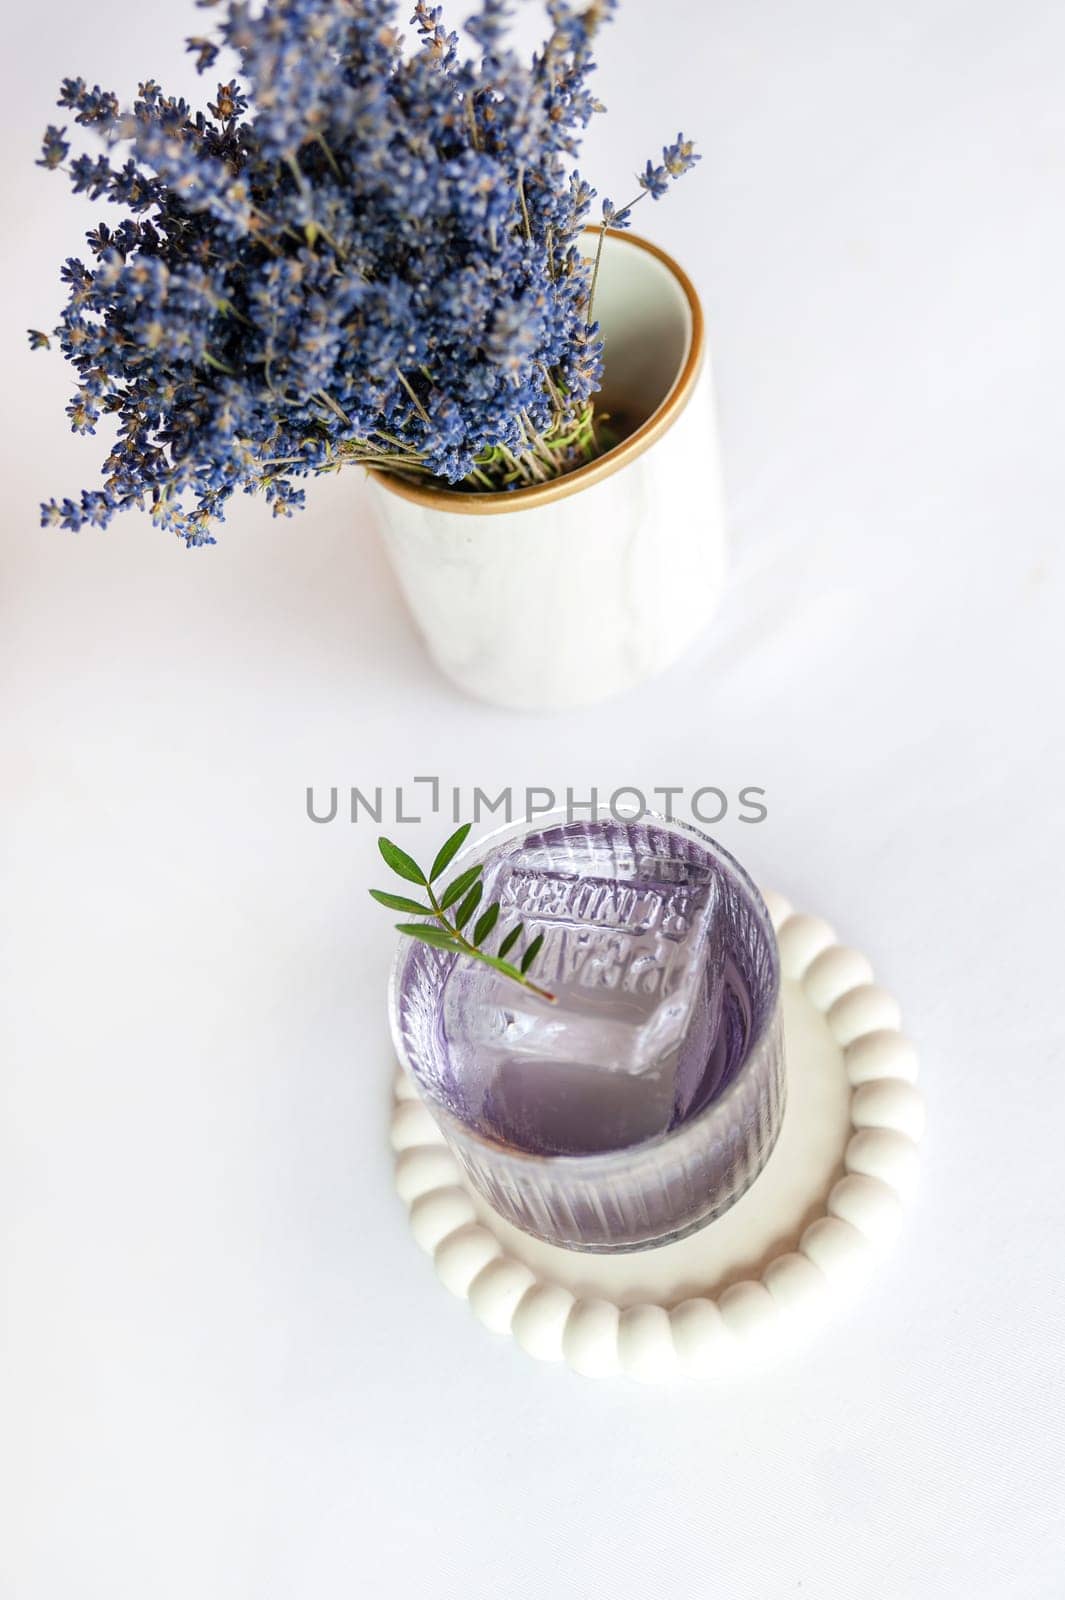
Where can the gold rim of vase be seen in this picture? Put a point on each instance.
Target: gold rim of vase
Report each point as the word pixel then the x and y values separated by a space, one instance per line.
pixel 471 502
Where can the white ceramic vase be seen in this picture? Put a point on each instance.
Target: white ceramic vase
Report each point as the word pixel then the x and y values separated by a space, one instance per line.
pixel 572 591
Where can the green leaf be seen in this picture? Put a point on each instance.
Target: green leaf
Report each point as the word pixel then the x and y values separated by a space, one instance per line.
pixel 469 905
pixel 501 966
pixel 449 850
pixel 456 890
pixel 485 923
pixel 400 862
pixel 531 954
pixel 399 902
pixel 511 939
pixel 439 938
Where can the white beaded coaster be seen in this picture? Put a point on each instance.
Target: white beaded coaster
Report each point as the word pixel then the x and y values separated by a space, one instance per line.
pixel 827 1203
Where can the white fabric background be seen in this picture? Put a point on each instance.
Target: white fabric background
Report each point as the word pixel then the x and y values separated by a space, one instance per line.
pixel 227 1371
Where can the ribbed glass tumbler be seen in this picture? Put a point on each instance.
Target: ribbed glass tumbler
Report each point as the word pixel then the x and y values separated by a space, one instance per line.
pixel 723 1130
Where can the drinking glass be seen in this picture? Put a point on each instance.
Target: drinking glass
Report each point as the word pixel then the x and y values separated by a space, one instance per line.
pixel 660 1188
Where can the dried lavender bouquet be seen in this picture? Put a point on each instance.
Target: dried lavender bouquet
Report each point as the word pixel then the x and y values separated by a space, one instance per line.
pixel 362 251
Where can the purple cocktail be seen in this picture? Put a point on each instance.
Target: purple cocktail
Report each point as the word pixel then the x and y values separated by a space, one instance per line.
pixel 648 1098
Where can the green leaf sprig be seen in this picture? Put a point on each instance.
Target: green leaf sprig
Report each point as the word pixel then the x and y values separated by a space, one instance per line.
pixel 461 899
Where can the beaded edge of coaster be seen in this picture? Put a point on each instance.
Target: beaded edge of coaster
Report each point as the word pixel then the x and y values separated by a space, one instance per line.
pixel 702 1337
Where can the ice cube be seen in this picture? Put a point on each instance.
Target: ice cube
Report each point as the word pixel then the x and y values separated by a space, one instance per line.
pixel 633 954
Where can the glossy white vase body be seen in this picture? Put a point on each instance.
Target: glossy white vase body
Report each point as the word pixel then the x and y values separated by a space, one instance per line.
pixel 570 592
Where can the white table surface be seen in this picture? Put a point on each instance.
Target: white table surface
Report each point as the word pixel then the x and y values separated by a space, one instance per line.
pixel 227 1371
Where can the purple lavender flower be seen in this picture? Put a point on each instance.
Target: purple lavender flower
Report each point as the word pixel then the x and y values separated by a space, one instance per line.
pixel 358 252
pixel 680 157
pixel 677 159
pixel 655 180
pixel 54 148
pixel 615 218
